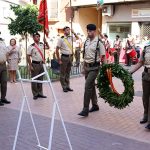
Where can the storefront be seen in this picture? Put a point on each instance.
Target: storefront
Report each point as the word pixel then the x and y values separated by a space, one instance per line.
pixel 133 18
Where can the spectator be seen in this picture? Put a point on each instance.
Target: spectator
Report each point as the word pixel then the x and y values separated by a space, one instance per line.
pixel 14 57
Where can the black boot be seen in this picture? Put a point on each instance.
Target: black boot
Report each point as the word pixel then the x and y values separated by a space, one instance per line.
pixel 84 113
pixel 94 108
pixel 148 126
pixel 144 120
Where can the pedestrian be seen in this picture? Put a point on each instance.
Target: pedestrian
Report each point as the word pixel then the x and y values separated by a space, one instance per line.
pixel 145 61
pixel 35 57
pixel 78 46
pixel 3 73
pixel 64 44
pixel 130 45
pixel 94 51
pixel 117 46
pixel 14 57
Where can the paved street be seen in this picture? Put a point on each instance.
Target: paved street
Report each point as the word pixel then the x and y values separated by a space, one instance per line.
pixel 108 129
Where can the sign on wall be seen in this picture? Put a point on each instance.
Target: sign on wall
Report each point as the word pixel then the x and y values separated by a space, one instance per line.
pixel 136 13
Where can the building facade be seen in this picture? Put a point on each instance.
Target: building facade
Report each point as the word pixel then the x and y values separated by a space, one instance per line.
pixel 127 17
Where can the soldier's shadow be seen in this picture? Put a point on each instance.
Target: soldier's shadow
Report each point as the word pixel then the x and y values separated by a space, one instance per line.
pixel 138 93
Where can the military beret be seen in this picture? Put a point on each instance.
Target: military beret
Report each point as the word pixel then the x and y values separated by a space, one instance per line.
pixel 91 27
pixel 66 27
pixel 34 34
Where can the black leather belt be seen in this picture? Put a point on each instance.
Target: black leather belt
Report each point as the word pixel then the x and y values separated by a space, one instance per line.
pixel 147 70
pixel 37 62
pixel 2 63
pixel 65 55
pixel 96 64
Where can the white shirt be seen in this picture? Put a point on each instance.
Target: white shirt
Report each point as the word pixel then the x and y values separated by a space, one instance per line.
pixel 34 53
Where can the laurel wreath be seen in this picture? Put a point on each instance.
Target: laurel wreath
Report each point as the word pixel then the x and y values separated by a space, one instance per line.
pixel 107 90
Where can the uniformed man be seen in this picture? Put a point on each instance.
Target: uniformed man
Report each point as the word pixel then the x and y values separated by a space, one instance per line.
pixel 145 61
pixel 35 57
pixel 65 46
pixel 3 73
pixel 94 51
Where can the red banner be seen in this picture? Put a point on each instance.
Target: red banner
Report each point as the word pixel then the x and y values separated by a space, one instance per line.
pixel 43 16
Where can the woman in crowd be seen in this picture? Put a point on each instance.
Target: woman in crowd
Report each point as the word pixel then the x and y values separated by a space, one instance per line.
pixel 14 57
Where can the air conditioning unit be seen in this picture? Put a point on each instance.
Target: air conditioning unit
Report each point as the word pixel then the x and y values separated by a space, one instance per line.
pixel 108 10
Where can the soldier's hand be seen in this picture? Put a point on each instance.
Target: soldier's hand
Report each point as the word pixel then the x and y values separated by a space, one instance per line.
pixel 60 62
pixel 99 31
pixel 72 31
pixel 31 68
pixel 44 40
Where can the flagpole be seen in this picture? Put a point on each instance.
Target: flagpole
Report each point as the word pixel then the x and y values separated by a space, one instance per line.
pixel 44 29
pixel 71 23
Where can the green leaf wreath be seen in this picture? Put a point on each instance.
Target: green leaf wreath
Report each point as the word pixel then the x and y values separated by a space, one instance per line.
pixel 106 92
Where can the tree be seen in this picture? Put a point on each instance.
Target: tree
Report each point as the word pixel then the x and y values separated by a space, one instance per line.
pixel 25 22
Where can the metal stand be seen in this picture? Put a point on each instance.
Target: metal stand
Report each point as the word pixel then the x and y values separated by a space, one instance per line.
pixel 55 107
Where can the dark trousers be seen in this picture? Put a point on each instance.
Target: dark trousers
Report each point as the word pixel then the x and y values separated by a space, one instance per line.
pixel 116 57
pixel 3 80
pixel 128 60
pixel 146 97
pixel 37 87
pixel 65 69
pixel 90 90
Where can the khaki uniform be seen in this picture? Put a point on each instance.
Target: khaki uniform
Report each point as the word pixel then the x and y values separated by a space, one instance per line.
pixel 66 58
pixel 145 57
pixel 91 70
pixel 37 64
pixel 3 69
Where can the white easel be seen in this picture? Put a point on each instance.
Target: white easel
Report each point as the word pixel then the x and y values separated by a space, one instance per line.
pixel 55 105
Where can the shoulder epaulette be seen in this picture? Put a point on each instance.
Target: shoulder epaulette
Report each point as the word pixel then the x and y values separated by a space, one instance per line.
pixel 41 43
pixel 33 44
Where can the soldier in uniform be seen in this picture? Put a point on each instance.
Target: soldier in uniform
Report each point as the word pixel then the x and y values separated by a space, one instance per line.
pixel 35 57
pixel 145 61
pixel 65 46
pixel 3 73
pixel 94 51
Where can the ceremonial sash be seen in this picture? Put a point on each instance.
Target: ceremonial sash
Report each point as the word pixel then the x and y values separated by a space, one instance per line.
pixel 68 44
pixel 36 46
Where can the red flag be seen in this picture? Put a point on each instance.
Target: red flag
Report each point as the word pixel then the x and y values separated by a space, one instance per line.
pixel 43 16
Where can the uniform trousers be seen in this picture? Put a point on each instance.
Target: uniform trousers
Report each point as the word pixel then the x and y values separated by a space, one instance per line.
pixel 146 95
pixel 65 69
pixel 90 90
pixel 3 80
pixel 37 88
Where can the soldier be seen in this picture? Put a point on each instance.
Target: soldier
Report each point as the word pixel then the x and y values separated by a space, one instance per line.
pixel 94 50
pixel 65 46
pixel 3 73
pixel 145 61
pixel 35 52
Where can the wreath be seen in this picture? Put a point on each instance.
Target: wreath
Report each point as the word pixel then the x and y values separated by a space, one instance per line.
pixel 107 90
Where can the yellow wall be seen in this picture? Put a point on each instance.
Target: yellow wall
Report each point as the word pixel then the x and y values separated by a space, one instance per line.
pixel 85 16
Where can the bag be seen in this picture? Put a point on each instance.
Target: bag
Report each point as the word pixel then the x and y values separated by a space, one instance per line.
pixel 55 66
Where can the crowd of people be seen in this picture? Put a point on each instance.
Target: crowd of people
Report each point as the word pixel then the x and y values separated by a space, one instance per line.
pixel 96 50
